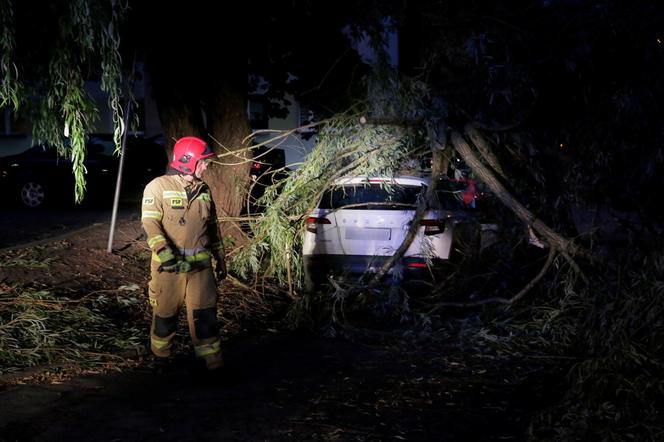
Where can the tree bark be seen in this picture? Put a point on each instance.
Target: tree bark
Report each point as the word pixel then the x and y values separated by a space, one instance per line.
pixel 483 147
pixel 228 124
pixel 179 120
pixel 198 71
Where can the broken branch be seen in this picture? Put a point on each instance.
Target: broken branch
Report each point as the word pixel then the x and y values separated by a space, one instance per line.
pixel 507 301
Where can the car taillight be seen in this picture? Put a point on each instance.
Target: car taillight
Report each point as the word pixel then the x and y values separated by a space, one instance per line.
pixel 433 226
pixel 416 265
pixel 412 262
pixel 312 222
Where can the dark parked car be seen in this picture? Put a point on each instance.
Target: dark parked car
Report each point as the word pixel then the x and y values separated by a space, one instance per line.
pixel 38 176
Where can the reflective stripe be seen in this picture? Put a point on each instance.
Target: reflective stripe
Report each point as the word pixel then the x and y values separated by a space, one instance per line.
pixel 204 350
pixel 174 194
pixel 160 343
pixel 201 256
pixel 155 240
pixel 204 197
pixel 152 214
pixel 165 255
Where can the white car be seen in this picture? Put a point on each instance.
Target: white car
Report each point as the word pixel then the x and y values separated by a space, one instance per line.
pixel 360 222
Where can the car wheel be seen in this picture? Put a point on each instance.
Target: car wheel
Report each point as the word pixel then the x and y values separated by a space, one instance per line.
pixel 33 194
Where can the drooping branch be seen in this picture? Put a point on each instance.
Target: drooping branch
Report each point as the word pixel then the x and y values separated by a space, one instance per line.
pixel 566 246
pixel 505 301
pixel 11 88
pixel 414 226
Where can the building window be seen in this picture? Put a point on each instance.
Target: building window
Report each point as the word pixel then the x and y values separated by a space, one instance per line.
pixel 307 116
pixel 258 118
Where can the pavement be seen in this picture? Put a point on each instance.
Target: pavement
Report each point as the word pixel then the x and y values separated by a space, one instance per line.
pixel 25 227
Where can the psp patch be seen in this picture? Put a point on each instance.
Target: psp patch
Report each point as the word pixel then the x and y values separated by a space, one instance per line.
pixel 177 203
pixel 148 201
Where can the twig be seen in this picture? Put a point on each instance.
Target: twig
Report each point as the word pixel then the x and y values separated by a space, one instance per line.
pixel 284 134
pixel 232 221
pixel 390 121
pixel 240 284
pixel 498 300
pixel 290 277
pixel 574 266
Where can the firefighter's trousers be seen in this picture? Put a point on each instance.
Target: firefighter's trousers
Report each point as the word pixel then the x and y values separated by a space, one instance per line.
pixel 195 290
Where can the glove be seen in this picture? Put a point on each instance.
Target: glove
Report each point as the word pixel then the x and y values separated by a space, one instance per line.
pixel 168 261
pixel 220 268
pixel 170 264
pixel 184 266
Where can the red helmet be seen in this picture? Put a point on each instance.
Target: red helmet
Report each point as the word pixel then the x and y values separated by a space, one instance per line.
pixel 187 152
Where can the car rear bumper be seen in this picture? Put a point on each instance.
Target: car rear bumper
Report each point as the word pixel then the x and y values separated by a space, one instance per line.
pixel 318 267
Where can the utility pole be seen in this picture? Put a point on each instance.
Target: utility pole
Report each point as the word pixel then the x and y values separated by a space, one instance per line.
pixel 118 182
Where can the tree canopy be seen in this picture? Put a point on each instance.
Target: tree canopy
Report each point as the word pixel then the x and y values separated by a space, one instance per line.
pixel 49 51
pixel 554 104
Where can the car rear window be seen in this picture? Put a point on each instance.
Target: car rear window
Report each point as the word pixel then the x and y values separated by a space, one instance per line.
pixel 371 196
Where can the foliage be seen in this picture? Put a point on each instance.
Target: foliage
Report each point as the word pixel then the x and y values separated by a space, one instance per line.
pixel 39 327
pixel 10 86
pixel 606 335
pixel 64 113
pixel 344 147
pixel 570 95
pixel 29 263
pixel 572 112
pixel 617 334
pixel 569 91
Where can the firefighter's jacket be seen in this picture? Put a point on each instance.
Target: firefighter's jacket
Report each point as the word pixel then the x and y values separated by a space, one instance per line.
pixel 179 216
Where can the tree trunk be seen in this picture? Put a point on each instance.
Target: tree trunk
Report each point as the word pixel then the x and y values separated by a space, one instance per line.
pixel 179 120
pixel 202 92
pixel 228 124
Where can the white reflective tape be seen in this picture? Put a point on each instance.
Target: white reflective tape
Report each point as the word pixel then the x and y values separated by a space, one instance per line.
pixel 160 344
pixel 207 349
pixel 151 214
pixel 174 194
pixel 155 240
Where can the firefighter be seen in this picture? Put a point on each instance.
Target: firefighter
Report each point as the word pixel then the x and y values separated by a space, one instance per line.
pixel 179 218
